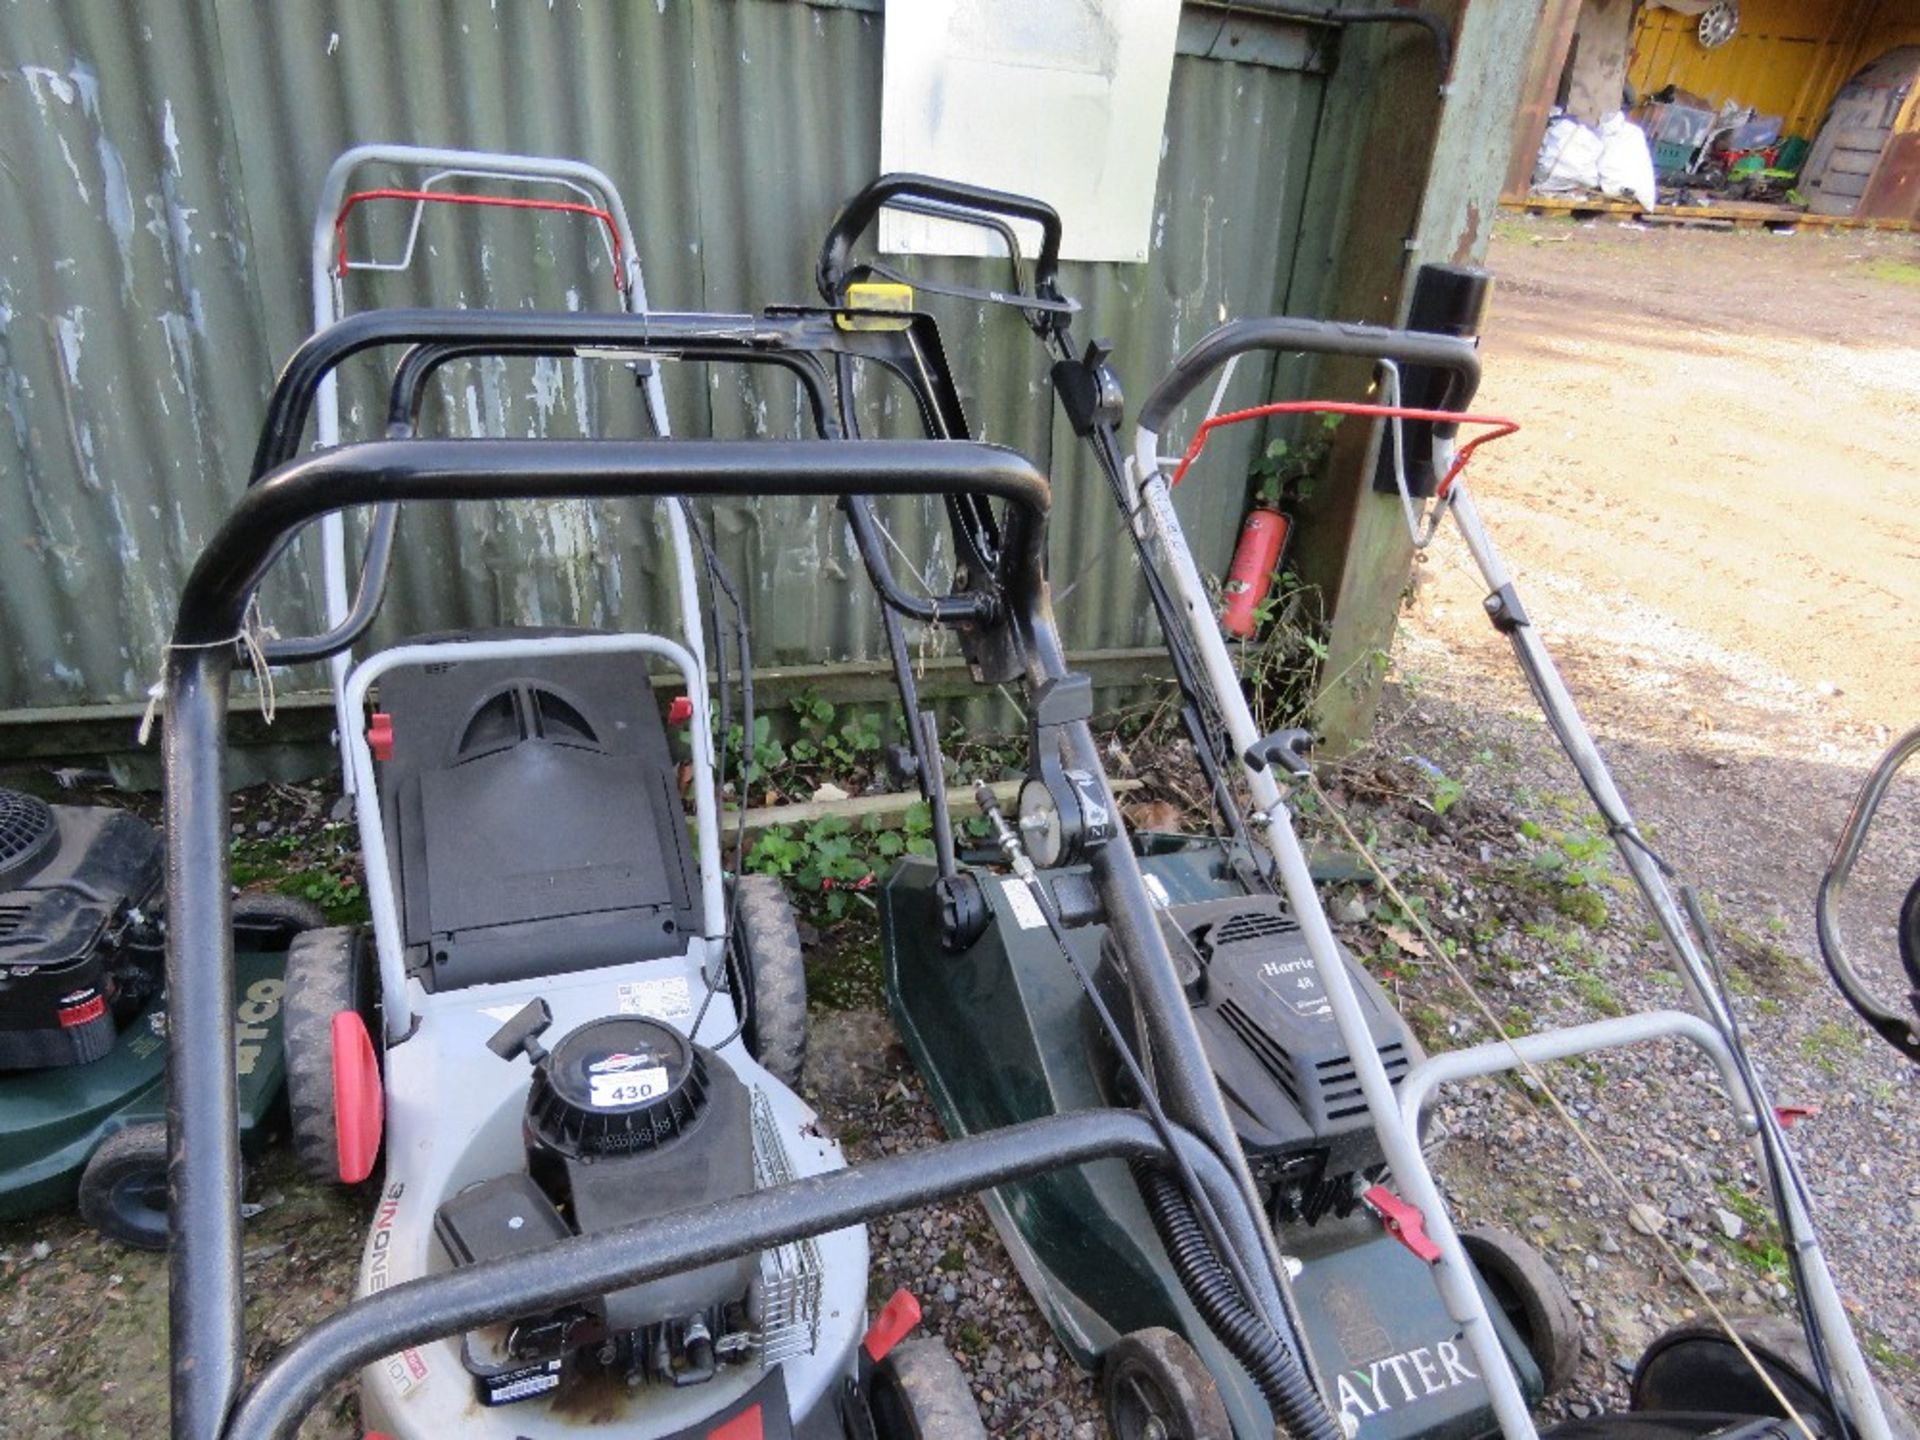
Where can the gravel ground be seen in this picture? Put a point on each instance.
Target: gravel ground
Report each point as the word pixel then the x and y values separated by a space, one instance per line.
pixel 1742 776
pixel 81 1350
pixel 859 1078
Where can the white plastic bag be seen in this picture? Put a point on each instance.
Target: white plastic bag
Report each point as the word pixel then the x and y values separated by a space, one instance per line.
pixel 1569 158
pixel 1626 160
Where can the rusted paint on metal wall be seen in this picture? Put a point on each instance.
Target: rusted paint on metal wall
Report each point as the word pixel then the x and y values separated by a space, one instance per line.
pixel 1471 148
pixel 1552 39
pixel 161 168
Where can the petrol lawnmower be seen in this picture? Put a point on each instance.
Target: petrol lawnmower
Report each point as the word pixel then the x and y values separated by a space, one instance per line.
pixel 506 1264
pixel 972 952
pixel 1325 1086
pixel 565 1020
pixel 83 1015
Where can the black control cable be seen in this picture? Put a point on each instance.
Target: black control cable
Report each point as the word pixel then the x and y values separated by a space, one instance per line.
pixel 1219 1284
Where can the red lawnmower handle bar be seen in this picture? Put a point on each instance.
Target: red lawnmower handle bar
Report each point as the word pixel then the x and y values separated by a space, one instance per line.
pixel 1286 334
pixel 1499 427
pixel 502 202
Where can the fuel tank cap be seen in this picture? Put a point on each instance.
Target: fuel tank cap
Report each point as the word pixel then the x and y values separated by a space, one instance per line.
pixel 616 1086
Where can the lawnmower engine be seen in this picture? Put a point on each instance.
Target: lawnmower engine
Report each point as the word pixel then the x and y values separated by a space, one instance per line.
pixel 77 953
pixel 1283 1070
pixel 1088 1242
pixel 625 1119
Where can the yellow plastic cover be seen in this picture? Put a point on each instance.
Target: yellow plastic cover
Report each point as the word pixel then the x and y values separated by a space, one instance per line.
pixel 885 298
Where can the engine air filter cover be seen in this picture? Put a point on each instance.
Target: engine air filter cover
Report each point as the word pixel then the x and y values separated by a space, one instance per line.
pixel 26 830
pixel 616 1086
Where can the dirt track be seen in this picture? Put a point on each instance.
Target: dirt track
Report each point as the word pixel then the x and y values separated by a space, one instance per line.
pixel 1711 514
pixel 1723 426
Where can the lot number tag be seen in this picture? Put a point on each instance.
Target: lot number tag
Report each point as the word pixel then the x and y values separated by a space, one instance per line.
pixel 610 1091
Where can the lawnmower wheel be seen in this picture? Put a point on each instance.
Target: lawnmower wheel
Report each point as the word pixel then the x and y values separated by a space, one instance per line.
pixel 1696 1367
pixel 776 976
pixel 123 1190
pixel 918 1393
pixel 326 973
pixel 268 920
pixel 1533 1299
pixel 1910 936
pixel 1153 1387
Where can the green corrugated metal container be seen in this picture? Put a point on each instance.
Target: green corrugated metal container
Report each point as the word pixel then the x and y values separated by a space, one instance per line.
pixel 161 168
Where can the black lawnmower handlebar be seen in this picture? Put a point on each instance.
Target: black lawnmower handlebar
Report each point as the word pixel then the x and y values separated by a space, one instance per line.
pixel 1288 334
pixel 273 509
pixel 955 199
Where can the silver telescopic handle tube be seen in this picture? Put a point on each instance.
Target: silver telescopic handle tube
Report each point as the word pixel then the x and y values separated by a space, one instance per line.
pixel 329 305
pixel 1830 1315
pixel 1270 822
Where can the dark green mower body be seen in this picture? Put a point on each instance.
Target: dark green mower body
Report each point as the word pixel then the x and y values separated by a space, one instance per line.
pixel 53 1121
pixel 1002 1033
pixel 83 1049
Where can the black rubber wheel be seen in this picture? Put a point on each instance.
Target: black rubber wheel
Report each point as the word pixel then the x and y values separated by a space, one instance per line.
pixel 268 920
pixel 1696 1367
pixel 123 1190
pixel 775 972
pixel 1910 934
pixel 918 1393
pixel 327 971
pixel 1153 1387
pixel 1533 1299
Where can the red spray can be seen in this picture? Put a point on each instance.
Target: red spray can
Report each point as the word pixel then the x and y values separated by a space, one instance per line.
pixel 1257 555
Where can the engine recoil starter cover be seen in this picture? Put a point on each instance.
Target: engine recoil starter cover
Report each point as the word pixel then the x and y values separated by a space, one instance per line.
pixel 616 1087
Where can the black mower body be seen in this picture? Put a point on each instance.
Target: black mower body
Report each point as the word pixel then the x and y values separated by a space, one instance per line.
pixel 1002 1033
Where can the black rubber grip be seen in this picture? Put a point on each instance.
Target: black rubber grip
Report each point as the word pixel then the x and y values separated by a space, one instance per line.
pixel 859 212
pixel 1285 334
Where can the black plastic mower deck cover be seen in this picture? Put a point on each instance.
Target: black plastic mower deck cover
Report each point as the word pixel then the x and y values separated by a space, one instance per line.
pixel 68 877
pixel 534 814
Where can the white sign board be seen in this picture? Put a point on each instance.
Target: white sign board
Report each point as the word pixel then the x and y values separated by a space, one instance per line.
pixel 1063 100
